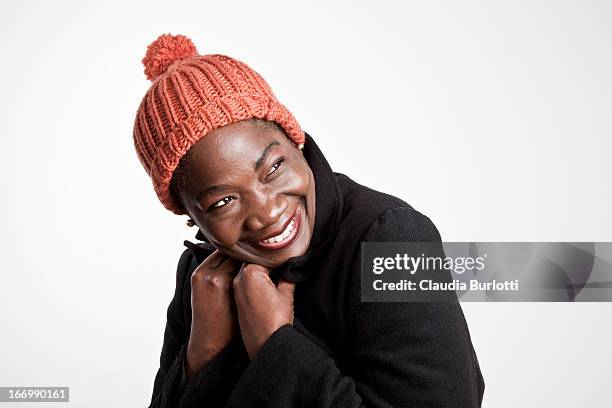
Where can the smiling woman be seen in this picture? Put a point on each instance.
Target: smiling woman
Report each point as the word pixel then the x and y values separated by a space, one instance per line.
pixel 267 308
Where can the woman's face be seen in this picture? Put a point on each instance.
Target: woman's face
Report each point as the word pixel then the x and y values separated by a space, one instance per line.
pixel 251 192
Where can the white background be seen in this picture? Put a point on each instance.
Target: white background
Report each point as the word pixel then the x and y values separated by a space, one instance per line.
pixel 492 118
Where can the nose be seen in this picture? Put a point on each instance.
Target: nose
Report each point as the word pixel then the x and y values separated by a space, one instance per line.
pixel 265 210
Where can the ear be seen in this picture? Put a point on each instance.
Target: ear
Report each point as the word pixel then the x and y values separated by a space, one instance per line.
pixel 300 147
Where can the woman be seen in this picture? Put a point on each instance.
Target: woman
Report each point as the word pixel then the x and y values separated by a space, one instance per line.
pixel 267 309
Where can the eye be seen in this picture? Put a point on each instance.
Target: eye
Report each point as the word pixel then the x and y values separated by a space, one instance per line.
pixel 220 203
pixel 275 167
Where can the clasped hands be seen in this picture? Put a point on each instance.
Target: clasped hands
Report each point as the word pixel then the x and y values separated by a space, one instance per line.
pixel 229 299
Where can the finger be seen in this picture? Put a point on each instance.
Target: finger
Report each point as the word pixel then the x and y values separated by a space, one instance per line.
pixel 214 260
pixel 252 278
pixel 286 287
pixel 229 265
pixel 254 271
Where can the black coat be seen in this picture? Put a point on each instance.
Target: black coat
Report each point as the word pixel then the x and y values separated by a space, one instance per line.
pixel 339 352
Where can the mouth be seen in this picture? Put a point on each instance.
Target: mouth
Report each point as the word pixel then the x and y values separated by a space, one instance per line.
pixel 286 236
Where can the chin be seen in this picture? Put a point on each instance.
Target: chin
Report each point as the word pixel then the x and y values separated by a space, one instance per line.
pixel 270 262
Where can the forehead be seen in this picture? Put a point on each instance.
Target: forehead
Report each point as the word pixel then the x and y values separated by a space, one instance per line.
pixel 231 150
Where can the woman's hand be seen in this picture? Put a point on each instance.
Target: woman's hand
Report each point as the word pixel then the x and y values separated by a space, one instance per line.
pixel 214 320
pixel 262 306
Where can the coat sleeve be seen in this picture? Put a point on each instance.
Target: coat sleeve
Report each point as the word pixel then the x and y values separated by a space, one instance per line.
pixel 406 354
pixel 210 385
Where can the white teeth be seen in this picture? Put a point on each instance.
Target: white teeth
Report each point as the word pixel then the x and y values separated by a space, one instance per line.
pixel 283 235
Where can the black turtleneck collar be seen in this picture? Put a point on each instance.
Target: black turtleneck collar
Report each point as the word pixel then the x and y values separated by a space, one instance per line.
pixel 328 215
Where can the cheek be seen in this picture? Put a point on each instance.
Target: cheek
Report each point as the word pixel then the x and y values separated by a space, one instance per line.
pixel 226 232
pixel 300 180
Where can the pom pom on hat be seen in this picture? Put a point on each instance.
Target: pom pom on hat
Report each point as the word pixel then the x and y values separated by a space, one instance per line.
pixel 164 51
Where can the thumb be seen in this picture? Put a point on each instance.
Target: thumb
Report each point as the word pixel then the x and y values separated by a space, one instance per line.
pixel 286 287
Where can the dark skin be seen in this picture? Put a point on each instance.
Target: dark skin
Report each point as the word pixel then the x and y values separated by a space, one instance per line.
pixel 240 184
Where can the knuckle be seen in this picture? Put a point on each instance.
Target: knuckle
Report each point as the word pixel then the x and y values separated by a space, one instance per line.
pixel 214 280
pixel 209 280
pixel 252 270
pixel 236 282
pixel 196 277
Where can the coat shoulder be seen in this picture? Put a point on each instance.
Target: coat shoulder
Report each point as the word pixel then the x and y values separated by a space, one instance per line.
pixel 383 216
pixel 362 204
pixel 357 197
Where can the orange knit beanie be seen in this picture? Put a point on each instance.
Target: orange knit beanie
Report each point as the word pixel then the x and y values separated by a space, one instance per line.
pixel 191 95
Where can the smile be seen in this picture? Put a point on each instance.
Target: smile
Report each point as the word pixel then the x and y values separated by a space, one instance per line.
pixel 286 237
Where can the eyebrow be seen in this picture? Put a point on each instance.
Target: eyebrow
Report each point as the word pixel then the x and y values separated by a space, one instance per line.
pixel 211 190
pixel 256 166
pixel 264 154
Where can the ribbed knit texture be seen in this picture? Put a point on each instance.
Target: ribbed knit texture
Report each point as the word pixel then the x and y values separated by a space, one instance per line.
pixel 190 96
